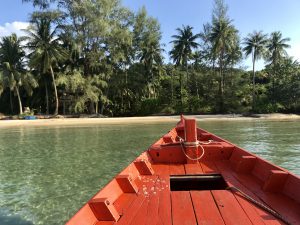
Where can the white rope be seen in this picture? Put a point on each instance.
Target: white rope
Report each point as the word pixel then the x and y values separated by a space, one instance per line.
pixel 181 141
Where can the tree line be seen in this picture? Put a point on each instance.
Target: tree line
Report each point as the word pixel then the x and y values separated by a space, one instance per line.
pixel 85 56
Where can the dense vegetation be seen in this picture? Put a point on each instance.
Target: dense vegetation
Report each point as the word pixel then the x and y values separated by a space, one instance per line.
pixel 85 56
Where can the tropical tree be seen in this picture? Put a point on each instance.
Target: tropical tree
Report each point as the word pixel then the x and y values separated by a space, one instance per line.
pixel 183 44
pixel 277 51
pixel 224 40
pixel 147 48
pixel 255 44
pixel 1 84
pixel 42 4
pixel 82 90
pixel 46 49
pixel 277 47
pixel 14 74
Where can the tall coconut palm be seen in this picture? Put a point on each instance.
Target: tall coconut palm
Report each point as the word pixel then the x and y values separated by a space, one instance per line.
pixel 46 50
pixel 1 83
pixel 277 50
pixel 255 44
pixel 151 57
pixel 223 38
pixel 11 58
pixel 277 47
pixel 183 44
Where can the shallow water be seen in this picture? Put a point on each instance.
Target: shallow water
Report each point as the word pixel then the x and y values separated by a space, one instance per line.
pixel 48 173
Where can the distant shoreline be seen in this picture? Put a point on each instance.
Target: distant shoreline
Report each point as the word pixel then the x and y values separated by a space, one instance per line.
pixel 146 119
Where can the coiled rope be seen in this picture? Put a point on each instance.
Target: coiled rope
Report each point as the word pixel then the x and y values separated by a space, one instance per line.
pixel 197 143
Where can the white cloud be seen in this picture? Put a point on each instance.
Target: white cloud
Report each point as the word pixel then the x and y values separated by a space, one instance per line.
pixel 14 27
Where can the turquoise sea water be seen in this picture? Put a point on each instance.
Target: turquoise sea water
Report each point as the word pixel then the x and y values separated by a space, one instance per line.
pixel 48 173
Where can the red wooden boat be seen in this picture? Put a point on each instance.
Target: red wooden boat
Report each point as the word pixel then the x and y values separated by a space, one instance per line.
pixel 190 177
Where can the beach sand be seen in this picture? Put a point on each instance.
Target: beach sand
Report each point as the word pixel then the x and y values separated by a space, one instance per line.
pixel 146 119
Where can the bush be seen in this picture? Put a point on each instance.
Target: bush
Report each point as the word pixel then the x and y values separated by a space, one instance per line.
pixel 168 110
pixel 149 106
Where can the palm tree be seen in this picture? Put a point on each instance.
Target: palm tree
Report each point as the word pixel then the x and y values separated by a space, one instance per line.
pixel 277 50
pixel 1 83
pixel 277 47
pixel 46 50
pixel 13 72
pixel 183 44
pixel 151 57
pixel 255 44
pixel 223 37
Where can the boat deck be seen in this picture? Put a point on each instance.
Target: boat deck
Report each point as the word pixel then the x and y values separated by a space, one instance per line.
pixel 155 204
pixel 172 183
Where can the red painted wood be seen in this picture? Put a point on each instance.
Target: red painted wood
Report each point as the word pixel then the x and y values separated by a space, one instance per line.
pixel 287 207
pixel 182 208
pixel 292 187
pixel 131 211
pixel 245 164
pixel 144 167
pixel 164 209
pixel 176 169
pixel 104 210
pixel 230 209
pixel 193 169
pixel 139 202
pixel 275 181
pixel 141 215
pixel 123 202
pixel 161 169
pixel 167 154
pixel 112 191
pixel 153 206
pixel 104 223
pixel 190 130
pixel 148 213
pixel 209 167
pixel 159 222
pixel 255 213
pixel 145 207
pixel 206 209
pixel 84 216
pixel 127 184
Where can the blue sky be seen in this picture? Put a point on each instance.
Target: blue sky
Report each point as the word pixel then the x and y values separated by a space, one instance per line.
pixel 266 15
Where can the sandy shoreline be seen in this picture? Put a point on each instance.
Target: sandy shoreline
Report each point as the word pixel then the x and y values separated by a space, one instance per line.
pixel 147 119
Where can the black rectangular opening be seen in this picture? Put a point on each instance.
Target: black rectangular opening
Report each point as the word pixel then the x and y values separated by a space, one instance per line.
pixel 197 182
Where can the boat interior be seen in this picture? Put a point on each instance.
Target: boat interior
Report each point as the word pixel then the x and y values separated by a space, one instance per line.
pixel 190 176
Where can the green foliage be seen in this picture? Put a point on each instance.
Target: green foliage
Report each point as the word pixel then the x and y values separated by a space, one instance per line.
pixel 149 106
pixel 82 90
pixel 13 74
pixel 168 110
pixel 97 56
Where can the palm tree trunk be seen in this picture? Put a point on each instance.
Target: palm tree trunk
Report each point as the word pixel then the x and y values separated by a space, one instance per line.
pixel 47 97
pixel 180 81
pixel 253 82
pixel 55 91
pixel 11 103
pixel 172 89
pixel 187 77
pixel 127 104
pixel 221 89
pixel 19 100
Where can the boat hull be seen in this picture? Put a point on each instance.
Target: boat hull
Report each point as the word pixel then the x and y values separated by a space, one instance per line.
pixel 190 176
